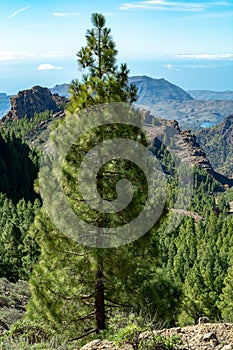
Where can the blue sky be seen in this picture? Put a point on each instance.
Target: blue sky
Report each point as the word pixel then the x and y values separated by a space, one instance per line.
pixel 189 43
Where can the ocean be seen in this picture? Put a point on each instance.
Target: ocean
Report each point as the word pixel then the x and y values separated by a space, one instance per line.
pixel 186 73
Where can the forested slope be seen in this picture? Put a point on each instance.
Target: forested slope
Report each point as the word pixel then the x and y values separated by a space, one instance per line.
pixel 181 269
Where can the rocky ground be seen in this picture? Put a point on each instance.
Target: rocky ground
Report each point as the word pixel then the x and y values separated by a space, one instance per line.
pixel 204 336
pixel 13 300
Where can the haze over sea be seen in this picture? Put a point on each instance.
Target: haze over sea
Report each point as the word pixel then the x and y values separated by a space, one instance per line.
pixel 186 73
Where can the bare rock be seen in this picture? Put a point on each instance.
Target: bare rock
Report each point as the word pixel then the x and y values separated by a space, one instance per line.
pixel 227 347
pixel 35 100
pixel 99 345
pixel 203 320
pixel 209 336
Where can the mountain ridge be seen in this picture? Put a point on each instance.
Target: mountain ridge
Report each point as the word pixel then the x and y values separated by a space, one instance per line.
pixel 169 101
pixel 208 95
pixel 152 90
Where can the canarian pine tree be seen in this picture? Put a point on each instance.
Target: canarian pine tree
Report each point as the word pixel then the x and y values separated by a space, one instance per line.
pixel 77 287
pixel 103 81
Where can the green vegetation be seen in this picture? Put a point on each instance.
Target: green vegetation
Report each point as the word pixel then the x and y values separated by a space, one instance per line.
pixel 79 293
pixel 104 82
pixel 23 127
pixel 18 168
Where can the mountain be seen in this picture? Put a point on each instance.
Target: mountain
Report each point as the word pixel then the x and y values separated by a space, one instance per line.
pixel 35 100
pixel 4 104
pixel 168 101
pixel 196 255
pixel 152 91
pixel 218 145
pixel 61 90
pixel 40 99
pixel 192 114
pixel 207 95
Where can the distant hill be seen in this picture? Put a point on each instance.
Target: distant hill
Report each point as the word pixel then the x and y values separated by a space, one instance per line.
pixel 61 90
pixel 4 104
pixel 149 90
pixel 207 95
pixel 152 91
pixel 168 101
pixel 193 114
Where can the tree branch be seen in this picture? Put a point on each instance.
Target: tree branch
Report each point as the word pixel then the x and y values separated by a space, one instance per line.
pixel 116 303
pixel 84 335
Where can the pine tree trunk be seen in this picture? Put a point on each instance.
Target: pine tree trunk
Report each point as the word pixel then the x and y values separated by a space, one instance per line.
pixel 99 274
pixel 99 296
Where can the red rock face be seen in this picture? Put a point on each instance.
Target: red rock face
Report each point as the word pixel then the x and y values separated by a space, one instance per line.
pixel 35 100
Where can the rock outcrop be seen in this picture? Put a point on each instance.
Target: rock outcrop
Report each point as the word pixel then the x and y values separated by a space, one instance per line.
pixel 35 100
pixel 154 127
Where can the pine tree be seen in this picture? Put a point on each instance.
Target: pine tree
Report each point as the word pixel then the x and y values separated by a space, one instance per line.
pixel 76 283
pixel 104 81
pixel 225 303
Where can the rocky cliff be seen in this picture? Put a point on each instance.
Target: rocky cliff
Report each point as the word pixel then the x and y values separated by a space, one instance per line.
pixel 217 142
pixel 35 100
pixel 196 152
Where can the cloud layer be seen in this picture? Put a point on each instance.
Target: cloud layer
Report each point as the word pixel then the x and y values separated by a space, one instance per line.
pixel 172 5
pixel 207 56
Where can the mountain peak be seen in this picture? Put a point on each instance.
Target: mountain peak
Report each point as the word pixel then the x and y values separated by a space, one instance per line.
pixel 151 91
pixel 35 100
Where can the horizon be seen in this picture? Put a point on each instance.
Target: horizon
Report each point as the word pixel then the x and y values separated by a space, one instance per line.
pixel 41 41
pixel 130 76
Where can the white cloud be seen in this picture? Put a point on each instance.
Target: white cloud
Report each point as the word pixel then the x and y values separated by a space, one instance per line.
pixel 165 5
pixel 173 5
pixel 65 14
pixel 170 66
pixel 47 66
pixel 206 56
pixel 17 12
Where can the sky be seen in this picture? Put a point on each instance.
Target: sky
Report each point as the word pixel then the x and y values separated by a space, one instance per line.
pixel 189 43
